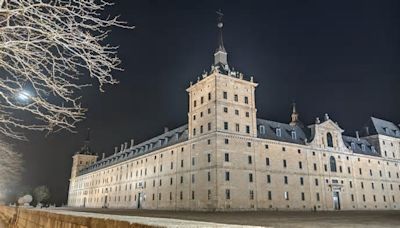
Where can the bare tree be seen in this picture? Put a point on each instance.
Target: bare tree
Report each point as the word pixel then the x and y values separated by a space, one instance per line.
pixel 41 194
pixel 10 169
pixel 45 48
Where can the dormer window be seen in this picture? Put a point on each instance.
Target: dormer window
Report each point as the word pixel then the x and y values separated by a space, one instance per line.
pixel 294 135
pixel 385 129
pixel 373 149
pixel 353 145
pixel 262 129
pixel 278 132
pixel 363 147
pixel 329 139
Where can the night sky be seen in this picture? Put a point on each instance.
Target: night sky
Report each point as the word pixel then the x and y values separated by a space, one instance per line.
pixel 336 57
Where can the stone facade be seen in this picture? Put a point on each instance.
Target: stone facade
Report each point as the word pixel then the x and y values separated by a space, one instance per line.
pixel 226 158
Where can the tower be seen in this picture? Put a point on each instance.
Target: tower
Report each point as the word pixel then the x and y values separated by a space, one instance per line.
pixel 83 157
pixel 222 100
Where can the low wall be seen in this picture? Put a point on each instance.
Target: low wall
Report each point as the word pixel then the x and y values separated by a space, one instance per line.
pixel 31 218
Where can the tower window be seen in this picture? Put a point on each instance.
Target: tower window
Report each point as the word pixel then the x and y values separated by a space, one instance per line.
pixel 225 109
pixel 209 96
pixel 225 95
pixel 248 129
pixel 226 157
pixel 202 100
pixel 237 127
pixel 226 125
pixel 236 97
pixel 246 100
pixel 194 103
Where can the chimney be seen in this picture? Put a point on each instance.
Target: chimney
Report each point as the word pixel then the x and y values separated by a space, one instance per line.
pixel 132 142
pixel 326 117
pixel 367 130
pixel 125 145
pixel 103 156
pixel 166 129
pixel 122 147
pixel 357 136
pixel 115 150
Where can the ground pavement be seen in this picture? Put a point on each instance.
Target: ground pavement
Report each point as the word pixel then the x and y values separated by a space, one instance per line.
pixel 258 218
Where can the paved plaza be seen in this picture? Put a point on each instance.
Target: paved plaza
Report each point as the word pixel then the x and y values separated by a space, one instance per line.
pixel 271 219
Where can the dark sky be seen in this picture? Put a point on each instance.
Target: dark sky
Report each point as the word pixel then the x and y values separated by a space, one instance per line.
pixel 336 57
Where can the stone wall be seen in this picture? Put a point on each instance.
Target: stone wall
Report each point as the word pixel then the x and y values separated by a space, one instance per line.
pixel 30 218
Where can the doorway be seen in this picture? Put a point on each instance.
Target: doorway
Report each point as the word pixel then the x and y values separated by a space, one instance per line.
pixel 336 200
pixel 138 204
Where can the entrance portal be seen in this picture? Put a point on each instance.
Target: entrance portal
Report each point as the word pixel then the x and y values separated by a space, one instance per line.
pixel 336 200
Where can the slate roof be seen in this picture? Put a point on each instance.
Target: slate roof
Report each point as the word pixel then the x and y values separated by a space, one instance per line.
pixel 169 138
pixel 355 145
pixel 286 132
pixel 383 127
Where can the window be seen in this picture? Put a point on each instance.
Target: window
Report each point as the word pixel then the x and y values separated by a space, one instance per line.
pixel 227 194
pixel 202 100
pixel 237 127
pixel 247 129
pixel 316 182
pixel 300 165
pixel 182 163
pixel 209 194
pixel 226 157
pixel 246 100
pixel 278 132
pixel 267 161
pixel 226 141
pixel 303 196
pixel 209 158
pixel 249 159
pixel 315 166
pixel 208 176
pixel 227 176
pixel 262 129
pixel 284 163
pixel 351 184
pixel 329 139
pixel 209 126
pixel 192 195
pixel 294 135
pixel 201 129
pixel 226 125
pixel 250 177
pixel 286 195
pixel 193 161
pixel 236 112
pixel 301 181
pixel 268 178
pixel 194 103
pixel 209 96
pixel 285 179
pixel 225 95
pixel 247 114
pixel 236 97
pixel 318 199
pixel 251 195
pixel 332 163
pixel 225 109
pixel 192 178
pixel 269 195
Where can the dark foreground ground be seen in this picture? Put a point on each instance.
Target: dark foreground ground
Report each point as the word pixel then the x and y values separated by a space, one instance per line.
pixel 273 219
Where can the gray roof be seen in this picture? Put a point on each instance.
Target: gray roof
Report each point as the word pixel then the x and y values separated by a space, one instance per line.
pixel 356 145
pixel 286 132
pixel 169 138
pixel 379 126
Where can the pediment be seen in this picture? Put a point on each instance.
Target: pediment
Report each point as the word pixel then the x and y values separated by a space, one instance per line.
pixel 329 124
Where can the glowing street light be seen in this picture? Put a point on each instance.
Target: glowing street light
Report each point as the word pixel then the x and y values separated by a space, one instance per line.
pixel 24 95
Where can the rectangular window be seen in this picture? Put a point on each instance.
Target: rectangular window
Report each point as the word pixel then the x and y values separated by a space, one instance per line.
pixel 225 95
pixel 192 195
pixel 268 178
pixel 227 194
pixel 193 161
pixel 208 176
pixel 352 197
pixel 269 195
pixel 209 96
pixel 202 100
pixel 209 126
pixel 180 195
pixel 236 97
pixel 300 165
pixel 225 109
pixel 286 195
pixel 251 195
pixel 250 160
pixel 208 158
pixel 226 126
pixel 226 157
pixel 248 129
pixel 250 177
pixel 182 163
pixel 351 184
pixel 237 127
pixel 318 199
pixel 301 181
pixel 315 167
pixel 192 178
pixel 236 112
pixel 209 194
pixel 303 196
pixel 246 100
pixel 316 182
pixel 285 179
pixel 181 179
pixel 284 163
pixel 227 176
pixel 247 114
pixel 267 161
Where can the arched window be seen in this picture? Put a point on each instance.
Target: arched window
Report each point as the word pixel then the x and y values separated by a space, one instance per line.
pixel 332 162
pixel 329 139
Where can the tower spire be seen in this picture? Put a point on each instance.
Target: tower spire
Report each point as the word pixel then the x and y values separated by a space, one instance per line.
pixel 220 55
pixel 86 145
pixel 295 116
